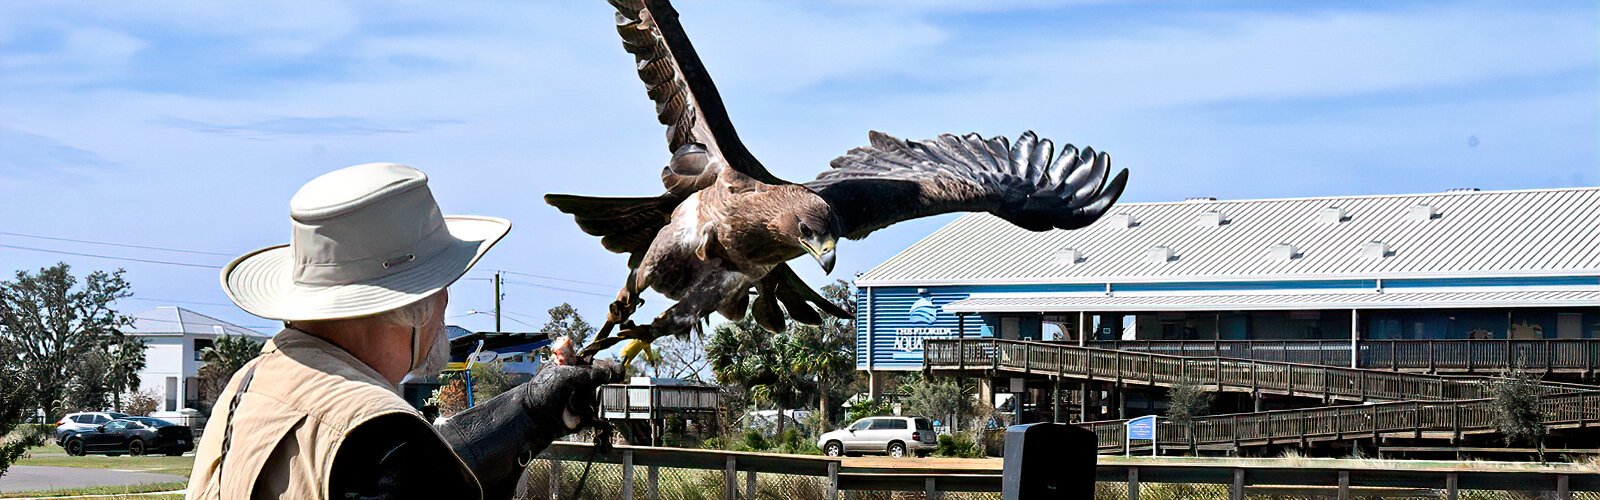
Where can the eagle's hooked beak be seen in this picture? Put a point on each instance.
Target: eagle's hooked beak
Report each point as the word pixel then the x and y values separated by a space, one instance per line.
pixel 822 251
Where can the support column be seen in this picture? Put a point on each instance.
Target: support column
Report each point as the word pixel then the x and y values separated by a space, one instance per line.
pixel 1083 329
pixel 1355 337
pixel 1122 402
pixel 1083 409
pixel 1055 400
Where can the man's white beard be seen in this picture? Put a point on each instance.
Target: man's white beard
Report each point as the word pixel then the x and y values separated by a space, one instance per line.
pixel 434 361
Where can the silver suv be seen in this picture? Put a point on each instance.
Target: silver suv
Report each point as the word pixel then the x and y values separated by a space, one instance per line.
pixel 83 421
pixel 893 436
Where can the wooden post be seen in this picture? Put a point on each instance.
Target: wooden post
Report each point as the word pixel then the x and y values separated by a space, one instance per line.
pixel 1237 493
pixel 1344 485
pixel 750 484
pixel 1133 483
pixel 1355 337
pixel 931 490
pixel 730 489
pixel 627 475
pixel 833 480
pixel 1055 400
pixel 652 484
pixel 1562 492
pixel 1451 482
pixel 555 480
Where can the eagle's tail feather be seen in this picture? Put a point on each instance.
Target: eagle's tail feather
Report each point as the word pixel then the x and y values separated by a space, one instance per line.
pixel 624 225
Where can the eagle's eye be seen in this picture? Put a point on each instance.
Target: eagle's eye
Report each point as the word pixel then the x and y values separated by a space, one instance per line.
pixel 805 231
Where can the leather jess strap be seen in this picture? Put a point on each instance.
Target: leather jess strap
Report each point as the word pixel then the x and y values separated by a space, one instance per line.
pixel 227 433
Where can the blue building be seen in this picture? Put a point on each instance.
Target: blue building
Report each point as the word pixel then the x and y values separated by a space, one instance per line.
pixel 1460 281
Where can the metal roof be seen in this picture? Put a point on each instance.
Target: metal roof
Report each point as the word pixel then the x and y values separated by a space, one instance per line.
pixel 1284 301
pixel 1490 233
pixel 173 321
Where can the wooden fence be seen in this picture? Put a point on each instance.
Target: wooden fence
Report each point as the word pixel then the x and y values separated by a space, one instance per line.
pixel 1401 419
pixel 1294 379
pixel 741 473
pixel 1461 355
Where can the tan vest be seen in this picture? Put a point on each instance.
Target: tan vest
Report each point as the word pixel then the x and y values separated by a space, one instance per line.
pixel 304 398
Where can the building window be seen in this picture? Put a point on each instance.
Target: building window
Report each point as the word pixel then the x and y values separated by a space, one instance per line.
pixel 200 345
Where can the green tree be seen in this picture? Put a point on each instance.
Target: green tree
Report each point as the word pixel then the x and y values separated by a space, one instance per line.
pixel 742 352
pixel 827 353
pixel 53 321
pixel 924 396
pixel 1516 409
pixel 13 402
pixel 565 321
pixel 127 360
pixel 225 357
pixel 1188 401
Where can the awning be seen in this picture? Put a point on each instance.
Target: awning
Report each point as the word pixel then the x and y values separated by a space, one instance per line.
pixel 1130 302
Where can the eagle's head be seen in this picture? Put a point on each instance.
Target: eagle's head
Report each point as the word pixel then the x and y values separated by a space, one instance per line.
pixel 809 223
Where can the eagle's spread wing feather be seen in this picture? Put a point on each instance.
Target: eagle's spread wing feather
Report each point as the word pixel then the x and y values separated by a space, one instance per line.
pixel 699 133
pixel 894 180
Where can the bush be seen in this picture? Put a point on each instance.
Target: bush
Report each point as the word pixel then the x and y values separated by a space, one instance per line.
pixel 868 408
pixel 753 440
pixel 142 403
pixel 959 445
pixel 795 442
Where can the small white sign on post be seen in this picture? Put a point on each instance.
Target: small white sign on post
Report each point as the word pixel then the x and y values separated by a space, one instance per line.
pixel 1140 428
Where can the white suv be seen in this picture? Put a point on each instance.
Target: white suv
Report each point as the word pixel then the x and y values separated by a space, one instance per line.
pixel 893 436
pixel 84 421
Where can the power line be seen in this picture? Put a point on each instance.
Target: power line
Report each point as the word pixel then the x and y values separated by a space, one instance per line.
pixel 553 278
pixel 125 245
pixel 536 285
pixel 198 303
pixel 130 259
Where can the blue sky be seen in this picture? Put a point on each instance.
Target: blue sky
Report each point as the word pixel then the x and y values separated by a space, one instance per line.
pixel 189 125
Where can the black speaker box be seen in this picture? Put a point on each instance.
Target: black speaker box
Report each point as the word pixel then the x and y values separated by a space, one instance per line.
pixel 1048 461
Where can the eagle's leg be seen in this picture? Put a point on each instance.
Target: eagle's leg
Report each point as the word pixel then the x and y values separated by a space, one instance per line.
pixel 621 309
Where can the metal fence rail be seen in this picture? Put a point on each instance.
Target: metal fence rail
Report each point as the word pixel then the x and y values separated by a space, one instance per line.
pixel 1294 379
pixel 631 473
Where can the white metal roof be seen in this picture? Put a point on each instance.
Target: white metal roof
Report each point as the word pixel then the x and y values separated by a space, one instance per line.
pixel 172 320
pixel 1281 301
pixel 1491 233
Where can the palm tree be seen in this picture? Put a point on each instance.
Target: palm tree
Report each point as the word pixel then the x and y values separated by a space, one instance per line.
pixel 127 360
pixel 741 352
pixel 222 359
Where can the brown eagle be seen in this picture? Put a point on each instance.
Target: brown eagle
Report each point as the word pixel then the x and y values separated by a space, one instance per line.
pixel 727 226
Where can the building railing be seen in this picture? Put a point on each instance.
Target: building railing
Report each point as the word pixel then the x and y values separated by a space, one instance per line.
pixel 630 473
pixel 1452 355
pixel 1312 352
pixel 1351 384
pixel 648 399
pixel 1410 418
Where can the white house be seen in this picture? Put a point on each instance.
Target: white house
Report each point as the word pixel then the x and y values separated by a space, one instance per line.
pixel 174 338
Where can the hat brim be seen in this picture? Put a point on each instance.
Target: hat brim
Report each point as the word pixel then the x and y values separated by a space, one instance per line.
pixel 262 282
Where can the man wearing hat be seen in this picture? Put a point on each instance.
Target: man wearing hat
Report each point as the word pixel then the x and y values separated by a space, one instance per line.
pixel 361 290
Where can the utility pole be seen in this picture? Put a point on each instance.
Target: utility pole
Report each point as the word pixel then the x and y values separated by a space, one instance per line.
pixel 497 302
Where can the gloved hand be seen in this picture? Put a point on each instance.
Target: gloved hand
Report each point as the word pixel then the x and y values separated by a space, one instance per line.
pixel 523 421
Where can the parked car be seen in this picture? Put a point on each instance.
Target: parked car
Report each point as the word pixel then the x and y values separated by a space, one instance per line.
pixel 83 421
pixel 184 416
pixel 893 436
pixel 134 436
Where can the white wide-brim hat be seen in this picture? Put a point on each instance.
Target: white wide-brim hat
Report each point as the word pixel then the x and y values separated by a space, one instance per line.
pixel 366 239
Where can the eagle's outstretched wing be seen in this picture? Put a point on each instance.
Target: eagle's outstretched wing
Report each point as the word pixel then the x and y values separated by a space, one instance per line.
pixel 699 133
pixel 893 180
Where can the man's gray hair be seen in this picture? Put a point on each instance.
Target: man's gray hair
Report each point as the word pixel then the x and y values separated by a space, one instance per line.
pixel 413 315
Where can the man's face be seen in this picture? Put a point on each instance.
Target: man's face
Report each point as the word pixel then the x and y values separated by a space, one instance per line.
pixel 436 353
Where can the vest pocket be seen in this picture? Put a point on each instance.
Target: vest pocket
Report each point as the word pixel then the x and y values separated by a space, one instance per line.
pixel 261 438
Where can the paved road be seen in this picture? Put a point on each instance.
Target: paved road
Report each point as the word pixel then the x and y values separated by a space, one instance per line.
pixel 34 478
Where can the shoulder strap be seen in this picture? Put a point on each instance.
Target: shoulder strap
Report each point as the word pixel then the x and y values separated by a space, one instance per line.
pixel 227 433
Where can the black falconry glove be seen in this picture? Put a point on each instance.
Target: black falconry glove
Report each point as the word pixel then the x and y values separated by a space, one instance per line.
pixel 493 436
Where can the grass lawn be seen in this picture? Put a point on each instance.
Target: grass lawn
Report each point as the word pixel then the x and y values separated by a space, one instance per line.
pixel 103 490
pixel 52 455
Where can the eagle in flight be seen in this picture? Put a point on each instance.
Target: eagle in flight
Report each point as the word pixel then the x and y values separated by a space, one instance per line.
pixel 726 226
